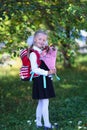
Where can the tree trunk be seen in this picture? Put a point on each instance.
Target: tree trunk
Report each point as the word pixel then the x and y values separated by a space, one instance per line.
pixel 66 46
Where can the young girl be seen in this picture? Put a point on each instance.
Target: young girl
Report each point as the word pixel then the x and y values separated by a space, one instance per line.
pixel 38 91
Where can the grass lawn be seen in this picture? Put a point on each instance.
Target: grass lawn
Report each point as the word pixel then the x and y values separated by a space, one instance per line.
pixel 68 109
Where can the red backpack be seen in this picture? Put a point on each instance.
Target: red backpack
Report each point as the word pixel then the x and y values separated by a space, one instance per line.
pixel 25 70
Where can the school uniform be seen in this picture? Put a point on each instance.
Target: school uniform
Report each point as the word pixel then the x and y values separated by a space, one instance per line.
pixel 38 90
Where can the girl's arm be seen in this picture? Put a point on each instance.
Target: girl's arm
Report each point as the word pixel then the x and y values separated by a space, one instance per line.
pixel 36 69
pixel 34 65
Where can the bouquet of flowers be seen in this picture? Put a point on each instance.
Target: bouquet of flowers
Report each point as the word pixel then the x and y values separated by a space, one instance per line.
pixel 49 55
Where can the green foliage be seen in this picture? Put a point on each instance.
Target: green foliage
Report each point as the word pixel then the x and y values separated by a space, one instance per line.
pixel 19 19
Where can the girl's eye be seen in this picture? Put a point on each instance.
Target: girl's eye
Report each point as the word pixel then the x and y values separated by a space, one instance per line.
pixel 40 39
pixel 44 40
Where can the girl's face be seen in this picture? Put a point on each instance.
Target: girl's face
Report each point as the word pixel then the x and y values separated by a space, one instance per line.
pixel 40 40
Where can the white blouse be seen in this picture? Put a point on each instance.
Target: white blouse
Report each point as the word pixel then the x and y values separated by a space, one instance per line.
pixel 34 65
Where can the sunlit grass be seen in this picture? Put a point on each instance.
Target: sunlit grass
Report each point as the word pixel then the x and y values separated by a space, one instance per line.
pixel 68 109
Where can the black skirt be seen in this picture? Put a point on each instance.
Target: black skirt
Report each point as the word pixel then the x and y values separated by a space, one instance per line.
pixel 38 90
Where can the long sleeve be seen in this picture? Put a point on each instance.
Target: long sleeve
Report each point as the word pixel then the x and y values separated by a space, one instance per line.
pixel 34 65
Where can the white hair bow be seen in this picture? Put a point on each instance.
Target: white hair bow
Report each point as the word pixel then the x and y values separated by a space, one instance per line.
pixel 30 40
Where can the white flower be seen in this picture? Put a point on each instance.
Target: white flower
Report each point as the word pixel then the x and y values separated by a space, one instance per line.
pixel 79 122
pixel 70 122
pixel 29 122
pixel 55 123
pixel 79 127
pixel 35 120
pixel 85 128
pixel 30 40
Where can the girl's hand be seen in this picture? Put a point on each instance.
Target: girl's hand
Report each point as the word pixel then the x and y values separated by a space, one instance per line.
pixel 52 71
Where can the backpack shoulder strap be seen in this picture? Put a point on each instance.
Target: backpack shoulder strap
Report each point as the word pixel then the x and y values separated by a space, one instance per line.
pixel 23 53
pixel 38 56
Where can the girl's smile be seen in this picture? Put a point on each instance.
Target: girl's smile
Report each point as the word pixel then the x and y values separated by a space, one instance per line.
pixel 40 40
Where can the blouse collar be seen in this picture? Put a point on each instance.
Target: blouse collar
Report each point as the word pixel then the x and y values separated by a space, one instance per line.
pixel 37 49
